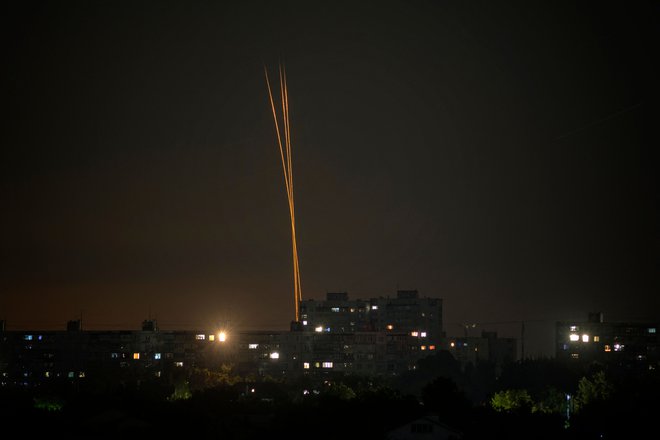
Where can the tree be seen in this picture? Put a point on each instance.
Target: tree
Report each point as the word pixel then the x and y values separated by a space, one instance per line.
pixel 511 400
pixel 594 390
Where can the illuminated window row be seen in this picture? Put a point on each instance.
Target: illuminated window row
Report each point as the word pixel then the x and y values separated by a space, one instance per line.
pixel 327 364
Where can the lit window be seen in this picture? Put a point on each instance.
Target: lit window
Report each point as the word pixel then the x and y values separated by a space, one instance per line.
pixel 352 310
pixel 596 338
pixel 157 373
pixel 390 326
pixel 200 337
pixel 136 356
pixel 47 373
pixel 81 374
pixel 70 374
pixel 414 334
pixel 40 337
pixel 317 364
pixel 157 356
pixel 28 337
pixel 465 344
pixel 335 309
pixel 374 307
pixel 306 365
pixel 574 328
pixel 178 364
pixel 253 346
pixel 618 347
pixel 114 355
pixel 222 337
pixel 274 355
pixel 431 347
pixel 211 338
pixel 319 329
pixel 652 330
pixel 423 334
pixel 327 364
pixel 574 337
pixel 575 355
pixel 304 322
pixel 423 347
pixel 452 344
pixel 585 338
pixel 608 348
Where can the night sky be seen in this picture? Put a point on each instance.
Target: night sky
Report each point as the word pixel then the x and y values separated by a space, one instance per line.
pixel 500 156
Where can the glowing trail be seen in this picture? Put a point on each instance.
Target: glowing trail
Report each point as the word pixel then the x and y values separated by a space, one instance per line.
pixel 284 143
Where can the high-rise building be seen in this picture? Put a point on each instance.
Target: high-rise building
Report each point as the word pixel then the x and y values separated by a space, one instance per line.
pixel 407 313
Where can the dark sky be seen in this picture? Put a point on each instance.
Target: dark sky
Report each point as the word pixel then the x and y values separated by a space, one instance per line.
pixel 500 156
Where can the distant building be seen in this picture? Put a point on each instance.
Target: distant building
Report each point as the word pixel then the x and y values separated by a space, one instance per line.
pixel 407 313
pixel 488 347
pixel 623 343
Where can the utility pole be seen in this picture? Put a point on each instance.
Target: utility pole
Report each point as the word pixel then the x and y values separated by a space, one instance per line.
pixel 522 341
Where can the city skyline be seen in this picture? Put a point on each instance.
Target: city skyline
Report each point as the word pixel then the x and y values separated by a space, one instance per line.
pixel 500 157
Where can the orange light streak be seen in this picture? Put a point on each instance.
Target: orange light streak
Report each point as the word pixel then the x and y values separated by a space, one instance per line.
pixel 287 171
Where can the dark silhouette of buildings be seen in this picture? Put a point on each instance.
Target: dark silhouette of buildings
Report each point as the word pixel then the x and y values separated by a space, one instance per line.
pixel 378 336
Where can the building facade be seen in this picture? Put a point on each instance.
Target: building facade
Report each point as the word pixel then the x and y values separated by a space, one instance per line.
pixel 623 343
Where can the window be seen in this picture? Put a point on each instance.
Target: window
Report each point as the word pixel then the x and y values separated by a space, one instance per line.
pixel 157 356
pixel 390 326
pixel 608 348
pixel 415 334
pixel 452 344
pixel 304 322
pixel 327 364
pixel 423 347
pixel 585 338
pixel 574 337
pixel 253 346
pixel 306 365
pixel 596 338
pixel 157 373
pixel 274 355
pixel 423 334
pixel 335 309
pixel 318 329
pixel 178 364
pixel 70 374
pixel 81 374
pixel 575 355
pixel 28 337
pixel 431 347
pixel 136 356
pixel 211 338
pixel 652 330
pixel 200 337
pixel 374 307
pixel 574 328
pixel 222 336
pixel 114 355
pixel 618 347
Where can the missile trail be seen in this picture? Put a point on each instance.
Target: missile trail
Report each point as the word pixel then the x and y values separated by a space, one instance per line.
pixel 283 132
